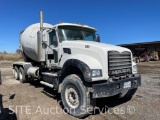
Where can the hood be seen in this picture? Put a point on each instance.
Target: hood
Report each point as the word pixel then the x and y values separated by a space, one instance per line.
pixel 92 44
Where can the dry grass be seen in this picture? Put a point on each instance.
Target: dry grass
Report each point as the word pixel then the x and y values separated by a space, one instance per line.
pixel 10 57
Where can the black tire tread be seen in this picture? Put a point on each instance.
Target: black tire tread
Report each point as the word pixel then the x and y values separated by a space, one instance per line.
pixel 23 75
pixel 16 70
pixel 75 80
pixel 129 94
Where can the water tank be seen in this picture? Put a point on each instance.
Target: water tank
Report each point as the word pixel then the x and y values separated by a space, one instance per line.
pixel 29 43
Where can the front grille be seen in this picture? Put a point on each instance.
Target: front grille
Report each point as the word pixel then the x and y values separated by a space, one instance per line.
pixel 119 63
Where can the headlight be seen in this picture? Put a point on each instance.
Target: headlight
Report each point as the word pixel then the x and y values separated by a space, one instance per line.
pixel 134 70
pixel 96 73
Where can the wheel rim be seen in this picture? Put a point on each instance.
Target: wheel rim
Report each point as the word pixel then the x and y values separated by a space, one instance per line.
pixel 72 97
pixel 20 75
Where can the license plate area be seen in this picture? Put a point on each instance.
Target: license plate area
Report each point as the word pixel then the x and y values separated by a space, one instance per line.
pixel 127 84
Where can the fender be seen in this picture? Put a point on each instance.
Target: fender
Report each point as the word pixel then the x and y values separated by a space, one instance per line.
pixel 84 68
pixel 26 65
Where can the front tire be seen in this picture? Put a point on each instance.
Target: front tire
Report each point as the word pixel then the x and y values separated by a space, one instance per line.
pixel 75 97
pixel 128 94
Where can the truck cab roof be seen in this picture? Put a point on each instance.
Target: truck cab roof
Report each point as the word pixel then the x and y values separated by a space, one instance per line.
pixel 76 25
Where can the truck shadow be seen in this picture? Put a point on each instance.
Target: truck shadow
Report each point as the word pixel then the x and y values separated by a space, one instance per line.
pixel 50 92
pixel 6 113
pixel 102 104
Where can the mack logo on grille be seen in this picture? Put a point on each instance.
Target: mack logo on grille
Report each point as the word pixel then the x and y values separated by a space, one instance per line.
pixel 120 71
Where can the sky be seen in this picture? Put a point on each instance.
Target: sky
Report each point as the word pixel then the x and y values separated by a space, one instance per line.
pixel 117 21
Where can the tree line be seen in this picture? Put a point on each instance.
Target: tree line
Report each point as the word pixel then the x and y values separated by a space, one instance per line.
pixel 18 51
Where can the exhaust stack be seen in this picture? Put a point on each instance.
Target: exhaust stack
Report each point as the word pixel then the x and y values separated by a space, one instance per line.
pixel 41 21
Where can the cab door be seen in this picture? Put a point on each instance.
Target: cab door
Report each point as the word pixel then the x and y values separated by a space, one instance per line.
pixel 52 50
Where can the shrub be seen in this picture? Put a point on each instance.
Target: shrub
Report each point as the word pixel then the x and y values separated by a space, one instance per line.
pixel 10 57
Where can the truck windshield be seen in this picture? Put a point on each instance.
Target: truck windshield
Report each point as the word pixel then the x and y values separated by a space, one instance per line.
pixel 76 33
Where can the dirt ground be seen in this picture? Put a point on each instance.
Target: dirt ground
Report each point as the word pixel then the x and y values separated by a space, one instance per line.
pixel 33 101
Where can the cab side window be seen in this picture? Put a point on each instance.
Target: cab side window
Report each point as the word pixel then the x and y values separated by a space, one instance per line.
pixel 53 38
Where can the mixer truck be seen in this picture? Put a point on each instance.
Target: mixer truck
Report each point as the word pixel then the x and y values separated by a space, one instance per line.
pixel 71 59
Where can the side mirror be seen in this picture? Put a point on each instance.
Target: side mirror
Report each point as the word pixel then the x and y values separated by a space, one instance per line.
pixel 44 46
pixel 98 38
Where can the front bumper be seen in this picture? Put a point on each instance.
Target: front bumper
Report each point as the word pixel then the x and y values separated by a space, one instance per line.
pixel 108 88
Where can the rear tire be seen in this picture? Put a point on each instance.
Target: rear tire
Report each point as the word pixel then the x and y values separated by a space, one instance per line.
pixel 75 96
pixel 16 73
pixel 22 77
